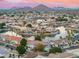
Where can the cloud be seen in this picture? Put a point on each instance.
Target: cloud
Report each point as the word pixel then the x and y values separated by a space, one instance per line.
pixel 13 1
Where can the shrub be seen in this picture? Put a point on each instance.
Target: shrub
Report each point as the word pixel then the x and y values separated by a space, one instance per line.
pixel 55 50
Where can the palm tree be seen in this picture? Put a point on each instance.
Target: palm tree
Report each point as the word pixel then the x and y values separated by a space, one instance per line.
pixel 70 34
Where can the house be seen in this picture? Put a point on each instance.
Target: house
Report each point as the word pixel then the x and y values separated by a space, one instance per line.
pixel 63 32
pixel 63 43
pixel 12 37
pixel 76 36
pixel 11 33
pixel 49 29
pixel 30 42
pixel 50 42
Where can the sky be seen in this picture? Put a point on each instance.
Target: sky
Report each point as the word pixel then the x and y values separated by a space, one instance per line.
pixel 32 3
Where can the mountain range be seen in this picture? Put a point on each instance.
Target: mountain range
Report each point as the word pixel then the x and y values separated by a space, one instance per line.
pixel 42 7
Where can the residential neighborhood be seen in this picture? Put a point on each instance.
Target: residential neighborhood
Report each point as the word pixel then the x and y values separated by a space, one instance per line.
pixel 39 32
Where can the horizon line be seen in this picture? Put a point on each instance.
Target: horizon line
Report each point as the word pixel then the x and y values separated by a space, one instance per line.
pixel 38 5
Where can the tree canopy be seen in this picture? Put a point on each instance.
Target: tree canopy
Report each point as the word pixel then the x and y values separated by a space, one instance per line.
pixel 29 25
pixel 23 42
pixel 55 50
pixel 61 19
pixel 2 25
pixel 21 49
pixel 38 37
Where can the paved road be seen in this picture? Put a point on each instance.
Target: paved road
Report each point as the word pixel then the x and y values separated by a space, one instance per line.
pixel 72 47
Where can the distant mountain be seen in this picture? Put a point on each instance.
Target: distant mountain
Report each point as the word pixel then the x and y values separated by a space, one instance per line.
pixel 42 7
pixel 65 9
pixel 22 8
pixel 58 8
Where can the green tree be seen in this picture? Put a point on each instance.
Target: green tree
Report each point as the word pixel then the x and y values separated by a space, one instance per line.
pixel 22 47
pixel 21 50
pixel 69 35
pixel 60 37
pixel 23 42
pixel 2 25
pixel 62 19
pixel 64 15
pixel 71 16
pixel 1 14
pixel 12 15
pixel 42 35
pixel 38 37
pixel 55 50
pixel 29 25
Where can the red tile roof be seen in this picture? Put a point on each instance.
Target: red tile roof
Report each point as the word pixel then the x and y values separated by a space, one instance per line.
pixel 13 38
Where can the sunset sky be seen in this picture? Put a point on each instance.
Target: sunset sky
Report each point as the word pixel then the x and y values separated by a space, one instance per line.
pixel 32 3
